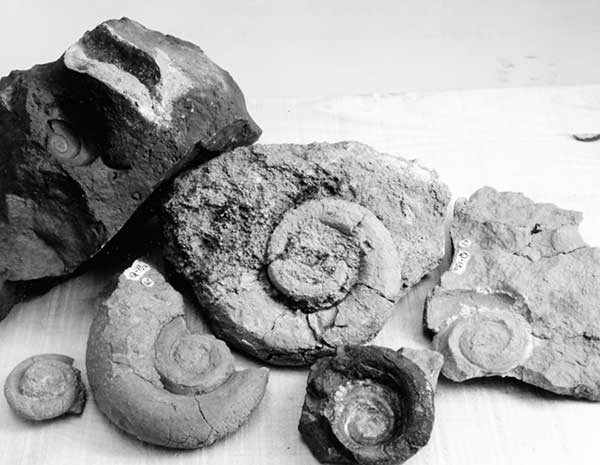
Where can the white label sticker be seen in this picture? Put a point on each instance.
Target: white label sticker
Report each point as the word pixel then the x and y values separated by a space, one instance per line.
pixel 459 265
pixel 136 271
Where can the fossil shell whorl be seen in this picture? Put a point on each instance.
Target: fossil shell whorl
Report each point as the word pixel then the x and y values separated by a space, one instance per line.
pixel 366 405
pixel 486 342
pixel 364 414
pixel 66 145
pixel 191 363
pixel 295 250
pixel 45 386
pixel 321 249
pixel 157 380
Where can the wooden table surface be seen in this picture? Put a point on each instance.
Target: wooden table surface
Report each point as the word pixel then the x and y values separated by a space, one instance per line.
pixel 513 139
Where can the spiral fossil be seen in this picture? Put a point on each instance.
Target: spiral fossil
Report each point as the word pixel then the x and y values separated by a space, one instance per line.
pixel 45 386
pixel 295 250
pixel 68 147
pixel 367 405
pixel 156 379
pixel 484 343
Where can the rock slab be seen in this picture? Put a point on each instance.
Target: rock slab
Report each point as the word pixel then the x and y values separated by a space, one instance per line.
pixel 294 250
pixel 521 297
pixel 85 140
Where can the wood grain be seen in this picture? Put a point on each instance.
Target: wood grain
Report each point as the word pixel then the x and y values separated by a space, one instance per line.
pixel 517 139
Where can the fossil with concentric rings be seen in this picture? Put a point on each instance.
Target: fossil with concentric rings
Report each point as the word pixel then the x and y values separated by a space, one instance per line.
pixel 369 405
pixel 521 298
pixel 46 386
pixel 157 379
pixel 294 250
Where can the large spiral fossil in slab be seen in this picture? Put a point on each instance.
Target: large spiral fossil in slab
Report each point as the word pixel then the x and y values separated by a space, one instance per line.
pixel 295 250
pixel 368 405
pixel 45 386
pixel 156 379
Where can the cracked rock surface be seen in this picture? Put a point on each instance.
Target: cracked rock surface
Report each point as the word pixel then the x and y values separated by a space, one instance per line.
pixel 85 140
pixel 521 297
pixel 159 381
pixel 297 249
pixel 369 405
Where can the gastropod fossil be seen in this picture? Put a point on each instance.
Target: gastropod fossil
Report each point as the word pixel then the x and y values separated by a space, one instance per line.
pixel 486 342
pixel 369 405
pixel 45 386
pixel 155 378
pixel 66 145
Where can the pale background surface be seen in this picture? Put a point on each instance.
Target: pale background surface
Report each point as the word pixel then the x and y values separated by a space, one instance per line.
pixel 290 48
pixel 517 139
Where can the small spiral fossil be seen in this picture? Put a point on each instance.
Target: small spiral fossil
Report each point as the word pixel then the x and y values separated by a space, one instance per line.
pixel 66 145
pixel 45 386
pixel 156 379
pixel 484 343
pixel 366 405
pixel 295 250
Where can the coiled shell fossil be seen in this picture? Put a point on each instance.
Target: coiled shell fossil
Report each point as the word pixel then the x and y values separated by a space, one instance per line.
pixel 367 405
pixel 45 386
pixel 294 250
pixel 157 380
pixel 490 341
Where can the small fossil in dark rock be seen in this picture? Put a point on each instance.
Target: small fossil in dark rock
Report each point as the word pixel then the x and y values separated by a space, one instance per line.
pixel 45 386
pixel 521 298
pixel 369 405
pixel 295 250
pixel 85 140
pixel 156 379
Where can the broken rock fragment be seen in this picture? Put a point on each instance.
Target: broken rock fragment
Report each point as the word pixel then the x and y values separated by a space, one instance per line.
pixel 155 378
pixel 521 297
pixel 85 140
pixel 369 405
pixel 46 386
pixel 297 249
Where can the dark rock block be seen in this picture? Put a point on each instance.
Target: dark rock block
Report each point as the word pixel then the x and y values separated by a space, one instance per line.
pixel 85 140
pixel 369 405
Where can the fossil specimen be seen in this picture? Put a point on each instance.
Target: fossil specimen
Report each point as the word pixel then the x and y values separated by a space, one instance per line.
pixel 521 298
pixel 85 140
pixel 368 405
pixel 294 250
pixel 45 386
pixel 156 379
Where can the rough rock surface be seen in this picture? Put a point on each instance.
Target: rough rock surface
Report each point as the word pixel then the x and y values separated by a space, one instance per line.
pixel 429 361
pixel 367 405
pixel 294 250
pixel 521 297
pixel 85 140
pixel 45 386
pixel 155 378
